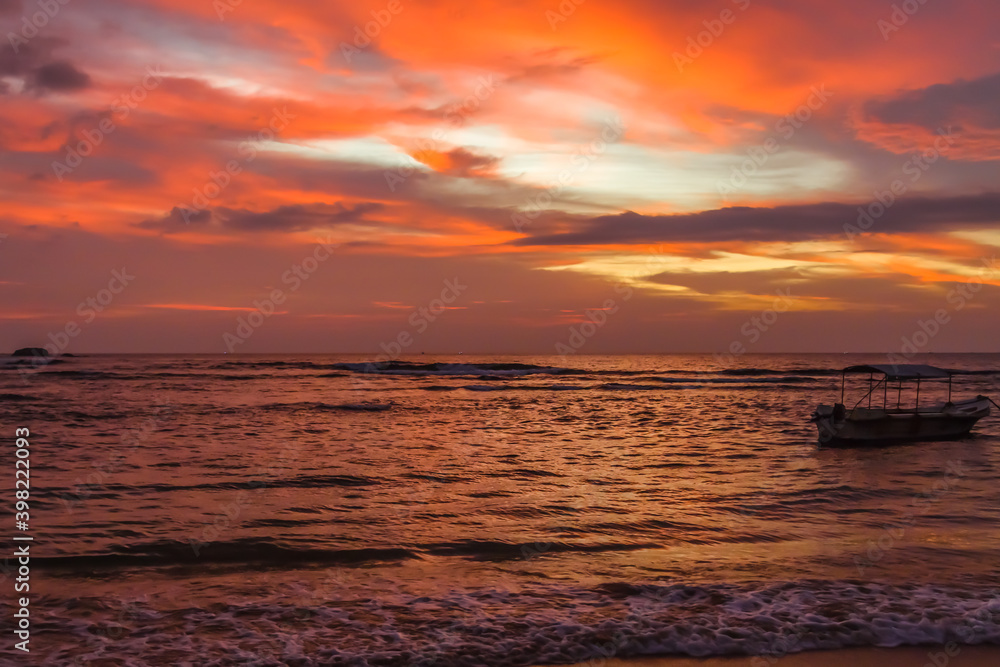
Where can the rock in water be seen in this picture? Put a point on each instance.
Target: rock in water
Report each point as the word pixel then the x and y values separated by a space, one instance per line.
pixel 31 352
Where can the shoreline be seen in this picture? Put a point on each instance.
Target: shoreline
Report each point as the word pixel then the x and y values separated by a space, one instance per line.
pixel 951 655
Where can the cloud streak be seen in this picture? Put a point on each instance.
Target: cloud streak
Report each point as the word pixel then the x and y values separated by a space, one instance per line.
pixel 291 218
pixel 780 223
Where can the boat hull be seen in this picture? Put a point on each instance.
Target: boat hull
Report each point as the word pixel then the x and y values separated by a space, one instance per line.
pixel 867 427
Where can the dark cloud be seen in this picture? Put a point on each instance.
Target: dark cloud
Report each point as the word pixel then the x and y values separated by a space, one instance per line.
pixel 367 60
pixel 59 76
pixel 11 7
pixel 781 223
pixel 33 61
pixel 292 218
pixel 27 57
pixel 180 218
pixel 962 101
pixel 296 217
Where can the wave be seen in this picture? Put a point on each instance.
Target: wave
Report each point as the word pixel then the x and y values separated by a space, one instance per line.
pixel 364 406
pixel 808 372
pixel 250 551
pixel 225 377
pixel 231 377
pixel 234 552
pixel 497 550
pixel 304 365
pixel 110 491
pixel 80 373
pixel 245 552
pixel 21 362
pixel 318 406
pixel 518 369
pixel 773 378
pixel 541 623
pixel 456 369
pixel 619 386
pixel 778 383
pixel 484 371
pixel 498 371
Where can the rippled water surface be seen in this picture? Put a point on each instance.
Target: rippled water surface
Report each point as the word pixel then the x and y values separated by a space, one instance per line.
pixel 500 511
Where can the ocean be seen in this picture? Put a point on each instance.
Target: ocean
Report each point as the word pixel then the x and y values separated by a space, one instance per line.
pixel 502 511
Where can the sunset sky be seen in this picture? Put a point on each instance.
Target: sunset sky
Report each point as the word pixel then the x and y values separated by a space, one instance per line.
pixel 490 176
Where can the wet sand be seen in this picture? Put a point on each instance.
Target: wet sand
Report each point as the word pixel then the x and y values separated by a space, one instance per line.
pixel 910 656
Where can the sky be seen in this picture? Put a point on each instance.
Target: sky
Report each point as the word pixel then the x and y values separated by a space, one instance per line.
pixel 525 176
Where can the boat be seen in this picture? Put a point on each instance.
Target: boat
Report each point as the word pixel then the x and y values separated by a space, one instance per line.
pixel 872 425
pixel 366 406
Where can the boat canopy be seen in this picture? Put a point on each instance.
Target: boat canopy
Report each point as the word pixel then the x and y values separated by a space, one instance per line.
pixel 902 371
